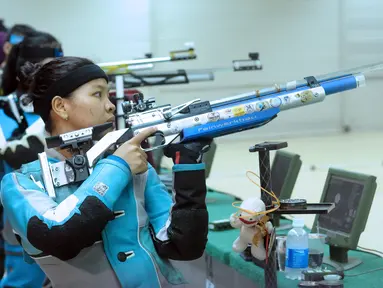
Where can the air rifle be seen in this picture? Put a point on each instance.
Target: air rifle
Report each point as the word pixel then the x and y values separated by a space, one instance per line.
pixel 117 70
pixel 154 78
pixel 140 79
pixel 126 67
pixel 193 120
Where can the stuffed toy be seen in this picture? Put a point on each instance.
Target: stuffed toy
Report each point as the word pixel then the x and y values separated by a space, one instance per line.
pixel 254 226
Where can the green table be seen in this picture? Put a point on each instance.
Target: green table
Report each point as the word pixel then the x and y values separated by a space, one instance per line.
pixel 220 243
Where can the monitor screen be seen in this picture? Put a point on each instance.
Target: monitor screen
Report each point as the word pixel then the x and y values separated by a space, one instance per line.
pixel 281 166
pixel 346 194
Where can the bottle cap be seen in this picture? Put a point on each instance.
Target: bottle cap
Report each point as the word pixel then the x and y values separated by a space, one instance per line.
pixel 298 222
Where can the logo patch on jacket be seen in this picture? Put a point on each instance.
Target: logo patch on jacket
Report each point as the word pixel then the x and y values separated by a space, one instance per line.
pixel 100 188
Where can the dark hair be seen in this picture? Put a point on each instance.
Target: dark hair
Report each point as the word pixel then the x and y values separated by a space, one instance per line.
pixel 41 77
pixel 2 26
pixel 32 49
pixel 22 30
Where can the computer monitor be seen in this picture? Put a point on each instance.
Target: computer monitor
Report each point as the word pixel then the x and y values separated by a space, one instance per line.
pixel 284 174
pixel 352 194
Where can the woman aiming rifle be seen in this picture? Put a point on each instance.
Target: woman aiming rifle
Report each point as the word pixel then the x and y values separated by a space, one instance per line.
pixel 120 227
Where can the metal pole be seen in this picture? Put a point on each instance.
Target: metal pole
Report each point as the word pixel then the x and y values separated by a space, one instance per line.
pixel 270 270
pixel 265 175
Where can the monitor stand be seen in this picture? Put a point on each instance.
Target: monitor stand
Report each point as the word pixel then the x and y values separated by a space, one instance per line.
pixel 276 220
pixel 339 259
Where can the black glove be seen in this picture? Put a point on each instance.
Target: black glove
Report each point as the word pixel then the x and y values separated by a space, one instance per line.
pixel 188 153
pixel 188 229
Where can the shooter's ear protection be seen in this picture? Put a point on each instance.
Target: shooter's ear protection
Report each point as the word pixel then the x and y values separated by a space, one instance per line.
pixel 276 203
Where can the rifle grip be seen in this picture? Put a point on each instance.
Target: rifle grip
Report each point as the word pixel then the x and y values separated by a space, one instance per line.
pixel 129 135
pixel 125 137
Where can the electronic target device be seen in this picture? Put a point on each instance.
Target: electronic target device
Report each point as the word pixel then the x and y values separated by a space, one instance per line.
pixel 352 194
pixel 284 174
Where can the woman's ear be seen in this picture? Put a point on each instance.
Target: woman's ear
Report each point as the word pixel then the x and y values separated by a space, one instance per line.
pixel 59 107
pixel 7 48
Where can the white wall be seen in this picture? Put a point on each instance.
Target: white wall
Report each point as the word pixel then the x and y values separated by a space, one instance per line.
pixel 361 41
pixel 292 44
pixel 97 29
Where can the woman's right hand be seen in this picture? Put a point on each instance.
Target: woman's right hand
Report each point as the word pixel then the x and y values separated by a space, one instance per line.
pixel 132 152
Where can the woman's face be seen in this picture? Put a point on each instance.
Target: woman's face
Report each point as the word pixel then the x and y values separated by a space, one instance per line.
pixel 89 105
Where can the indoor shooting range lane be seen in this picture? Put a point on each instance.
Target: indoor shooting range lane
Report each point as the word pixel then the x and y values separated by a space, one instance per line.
pixel 353 151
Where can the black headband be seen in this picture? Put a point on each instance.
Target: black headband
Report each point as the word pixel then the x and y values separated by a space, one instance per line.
pixel 40 52
pixel 71 82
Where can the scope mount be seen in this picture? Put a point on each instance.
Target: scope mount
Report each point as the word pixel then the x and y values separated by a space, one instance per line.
pixel 253 63
pixel 139 105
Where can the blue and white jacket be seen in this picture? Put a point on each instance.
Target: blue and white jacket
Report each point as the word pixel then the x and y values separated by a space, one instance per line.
pixel 113 230
pixel 14 153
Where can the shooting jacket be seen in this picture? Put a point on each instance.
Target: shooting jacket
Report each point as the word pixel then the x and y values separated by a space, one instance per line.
pixel 25 148
pixel 115 229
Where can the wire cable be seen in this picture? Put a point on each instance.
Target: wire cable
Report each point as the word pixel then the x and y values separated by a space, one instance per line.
pixel 371 251
pixel 253 213
pixel 363 273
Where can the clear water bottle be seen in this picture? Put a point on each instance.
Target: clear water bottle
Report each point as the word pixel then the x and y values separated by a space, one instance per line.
pixel 297 250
